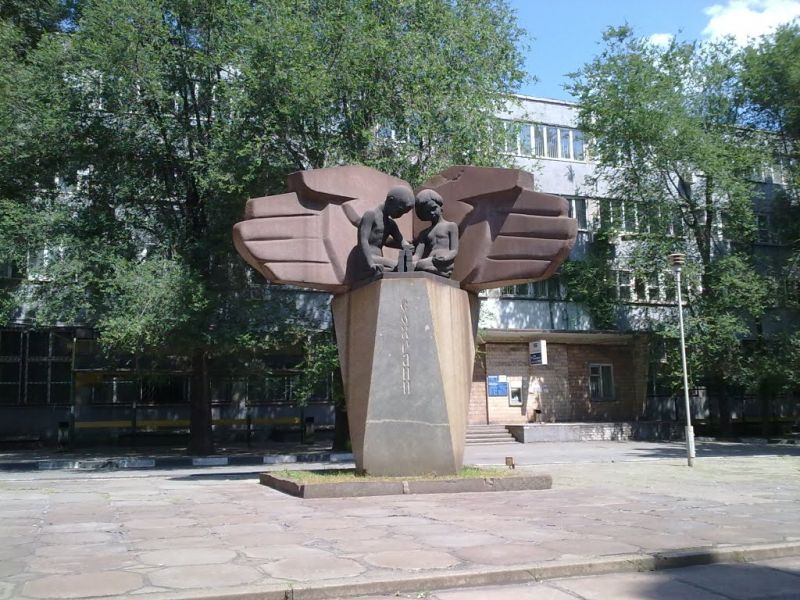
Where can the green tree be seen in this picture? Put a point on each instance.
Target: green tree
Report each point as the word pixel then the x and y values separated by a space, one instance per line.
pixel 135 131
pixel 666 131
pixel 770 77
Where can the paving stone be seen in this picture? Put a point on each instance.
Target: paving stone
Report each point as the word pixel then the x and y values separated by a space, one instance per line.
pixel 175 557
pixel 86 537
pixel 76 564
pixel 159 523
pixel 632 586
pixel 577 547
pixel 285 551
pixel 201 576
pixel 412 560
pixel 82 550
pixel 9 550
pixel 11 567
pixel 459 539
pixel 516 592
pixel 252 529
pixel 377 545
pixel 301 569
pixel 163 543
pixel 82 585
pixel 6 590
pixel 172 533
pixel 79 527
pixel 505 554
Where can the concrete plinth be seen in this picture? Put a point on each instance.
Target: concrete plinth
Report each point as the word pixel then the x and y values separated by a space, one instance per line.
pixel 406 349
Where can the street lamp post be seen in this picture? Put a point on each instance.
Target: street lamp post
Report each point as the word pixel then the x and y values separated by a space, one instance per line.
pixel 678 260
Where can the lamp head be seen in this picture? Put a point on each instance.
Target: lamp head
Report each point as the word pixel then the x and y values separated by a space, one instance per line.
pixel 677 260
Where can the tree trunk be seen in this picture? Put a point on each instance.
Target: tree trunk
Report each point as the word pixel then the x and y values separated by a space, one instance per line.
pixel 723 409
pixel 201 441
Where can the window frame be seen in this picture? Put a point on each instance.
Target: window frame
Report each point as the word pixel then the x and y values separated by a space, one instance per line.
pixel 604 383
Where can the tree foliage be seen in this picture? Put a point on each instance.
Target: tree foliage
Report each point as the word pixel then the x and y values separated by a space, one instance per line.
pixel 132 132
pixel 667 130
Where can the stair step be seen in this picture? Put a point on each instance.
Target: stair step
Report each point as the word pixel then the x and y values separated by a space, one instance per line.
pixel 486 435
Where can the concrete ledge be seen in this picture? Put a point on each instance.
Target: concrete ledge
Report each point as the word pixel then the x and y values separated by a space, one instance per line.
pixel 596 432
pixel 170 462
pixel 350 489
pixel 531 573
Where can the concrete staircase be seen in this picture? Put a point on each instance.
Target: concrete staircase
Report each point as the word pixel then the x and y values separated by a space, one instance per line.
pixel 481 435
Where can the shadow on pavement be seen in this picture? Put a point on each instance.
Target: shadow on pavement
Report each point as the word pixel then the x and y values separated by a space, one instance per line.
pixel 712 581
pixel 716 449
pixel 218 476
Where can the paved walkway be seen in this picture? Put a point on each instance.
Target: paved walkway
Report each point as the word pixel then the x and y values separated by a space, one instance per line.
pixel 777 579
pixel 217 533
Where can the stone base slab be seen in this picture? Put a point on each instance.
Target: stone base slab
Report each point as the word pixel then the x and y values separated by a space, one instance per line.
pixel 350 489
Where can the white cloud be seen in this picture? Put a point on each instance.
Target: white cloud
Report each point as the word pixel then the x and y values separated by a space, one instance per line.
pixel 661 39
pixel 748 19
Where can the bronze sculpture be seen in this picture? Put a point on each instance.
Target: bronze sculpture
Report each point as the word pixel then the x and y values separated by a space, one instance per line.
pixel 377 228
pixel 507 232
pixel 437 246
pixel 406 322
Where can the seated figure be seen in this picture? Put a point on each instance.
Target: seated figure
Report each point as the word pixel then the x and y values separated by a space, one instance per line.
pixel 378 229
pixel 436 246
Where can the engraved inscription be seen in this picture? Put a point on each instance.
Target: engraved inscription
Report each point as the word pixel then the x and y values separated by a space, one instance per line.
pixel 405 357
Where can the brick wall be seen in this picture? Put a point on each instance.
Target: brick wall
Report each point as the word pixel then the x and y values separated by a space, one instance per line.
pixel 626 404
pixel 477 396
pixel 560 389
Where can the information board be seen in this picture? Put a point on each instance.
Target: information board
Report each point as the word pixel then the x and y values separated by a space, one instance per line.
pixel 497 385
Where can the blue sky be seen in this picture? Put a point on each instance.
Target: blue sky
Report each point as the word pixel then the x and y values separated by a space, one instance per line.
pixel 565 34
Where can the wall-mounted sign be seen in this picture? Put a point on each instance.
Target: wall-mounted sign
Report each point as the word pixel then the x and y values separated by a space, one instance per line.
pixel 497 385
pixel 538 352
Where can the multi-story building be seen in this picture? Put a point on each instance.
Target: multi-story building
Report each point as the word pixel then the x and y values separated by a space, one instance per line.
pixel 594 374
pixel 590 374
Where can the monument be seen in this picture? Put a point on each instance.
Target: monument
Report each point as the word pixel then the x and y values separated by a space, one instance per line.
pixel 404 283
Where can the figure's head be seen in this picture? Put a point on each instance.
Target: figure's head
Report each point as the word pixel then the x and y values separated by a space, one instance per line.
pixel 399 201
pixel 429 205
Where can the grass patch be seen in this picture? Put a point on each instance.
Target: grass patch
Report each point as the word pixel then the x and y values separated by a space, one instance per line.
pixel 347 475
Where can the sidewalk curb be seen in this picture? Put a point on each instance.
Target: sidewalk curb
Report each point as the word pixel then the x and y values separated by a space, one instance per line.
pixel 604 565
pixel 172 462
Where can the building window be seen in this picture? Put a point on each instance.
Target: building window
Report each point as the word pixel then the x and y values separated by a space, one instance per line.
pixel 601 382
pixel 578 145
pixel 765 232
pixel 623 285
pixel 524 138
pixel 9 270
pixel 549 289
pixel 538 140
pixel 577 210
pixel 545 141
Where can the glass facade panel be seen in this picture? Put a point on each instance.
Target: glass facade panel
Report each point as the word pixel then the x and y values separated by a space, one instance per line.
pixel 578 212
pixel 552 142
pixel 10 343
pixel 578 149
pixel 601 382
pixel 39 343
pixel 538 140
pixel 36 393
pixel 525 146
pixel 566 143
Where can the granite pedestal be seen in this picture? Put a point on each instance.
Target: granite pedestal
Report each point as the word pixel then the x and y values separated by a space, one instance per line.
pixel 406 349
